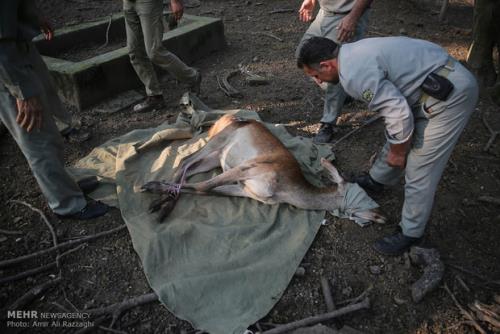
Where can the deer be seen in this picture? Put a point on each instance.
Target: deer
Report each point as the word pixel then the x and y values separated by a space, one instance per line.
pixel 255 164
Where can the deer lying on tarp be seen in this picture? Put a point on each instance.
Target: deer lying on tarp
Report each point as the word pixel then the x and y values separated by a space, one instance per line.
pixel 256 165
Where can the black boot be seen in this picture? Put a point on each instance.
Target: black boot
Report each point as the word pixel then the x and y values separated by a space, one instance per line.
pixel 366 182
pixel 394 245
pixel 325 134
pixel 93 209
pixel 88 184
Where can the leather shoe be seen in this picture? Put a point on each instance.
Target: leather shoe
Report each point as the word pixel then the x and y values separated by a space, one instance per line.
pixel 394 245
pixel 93 209
pixel 325 134
pixel 88 184
pixel 366 182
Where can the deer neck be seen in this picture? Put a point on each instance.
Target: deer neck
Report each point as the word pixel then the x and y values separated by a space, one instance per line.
pixel 315 198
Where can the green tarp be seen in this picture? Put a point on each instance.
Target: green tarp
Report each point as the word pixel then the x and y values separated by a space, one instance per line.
pixel 220 263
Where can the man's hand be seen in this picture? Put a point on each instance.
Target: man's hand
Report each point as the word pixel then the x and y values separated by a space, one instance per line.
pixel 47 30
pixel 346 28
pixel 29 113
pixel 397 154
pixel 306 10
pixel 177 8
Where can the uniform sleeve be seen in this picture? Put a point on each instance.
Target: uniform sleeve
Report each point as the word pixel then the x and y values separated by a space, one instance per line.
pixel 370 84
pixel 16 72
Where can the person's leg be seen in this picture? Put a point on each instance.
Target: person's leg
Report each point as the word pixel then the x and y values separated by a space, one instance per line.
pixel 334 93
pixel 137 51
pixel 150 15
pixel 434 139
pixel 434 142
pixel 43 150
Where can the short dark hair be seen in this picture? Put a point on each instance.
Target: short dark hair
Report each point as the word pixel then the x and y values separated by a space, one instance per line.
pixel 315 50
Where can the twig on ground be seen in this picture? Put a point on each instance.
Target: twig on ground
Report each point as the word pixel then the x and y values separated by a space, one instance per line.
pixel 107 32
pixel 362 296
pixel 486 313
pixel 282 10
pixel 40 269
pixel 23 258
pixel 28 273
pixel 472 273
pixel 32 294
pixel 464 312
pixel 59 306
pixel 44 218
pixel 462 283
pixel 366 123
pixel 268 34
pixel 319 318
pixel 490 199
pixel 7 232
pixel 327 294
pixel 493 134
pixel 115 310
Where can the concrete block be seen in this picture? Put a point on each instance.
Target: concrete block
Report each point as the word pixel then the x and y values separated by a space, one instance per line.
pixel 86 82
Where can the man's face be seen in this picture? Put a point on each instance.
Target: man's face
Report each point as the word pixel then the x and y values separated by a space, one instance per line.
pixel 327 72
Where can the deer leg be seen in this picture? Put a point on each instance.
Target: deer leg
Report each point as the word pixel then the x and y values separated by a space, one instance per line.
pixel 228 177
pixel 214 146
pixel 202 164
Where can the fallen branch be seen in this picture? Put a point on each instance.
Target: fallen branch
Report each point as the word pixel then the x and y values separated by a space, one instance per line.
pixel 327 294
pixel 44 218
pixel 268 34
pixel 282 10
pixel 472 273
pixel 320 318
pixel 23 258
pixel 32 294
pixel 366 123
pixel 493 134
pixel 115 310
pixel 7 232
pixel 362 296
pixel 442 11
pixel 485 313
pixel 28 273
pixel 464 312
pixel 40 269
pixel 224 85
pixel 490 199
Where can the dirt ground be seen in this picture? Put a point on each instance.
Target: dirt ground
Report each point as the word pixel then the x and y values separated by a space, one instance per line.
pixel 463 228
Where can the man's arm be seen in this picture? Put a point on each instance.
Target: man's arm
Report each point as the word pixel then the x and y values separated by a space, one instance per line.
pixel 306 10
pixel 347 26
pixel 397 154
pixel 177 8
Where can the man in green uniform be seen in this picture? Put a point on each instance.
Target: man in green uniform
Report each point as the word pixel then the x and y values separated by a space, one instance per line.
pixel 144 26
pixel 26 110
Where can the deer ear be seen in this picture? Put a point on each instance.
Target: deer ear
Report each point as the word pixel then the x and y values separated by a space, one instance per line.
pixel 333 173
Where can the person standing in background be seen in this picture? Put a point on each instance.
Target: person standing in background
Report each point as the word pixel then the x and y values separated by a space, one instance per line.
pixel 144 27
pixel 26 110
pixel 341 21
